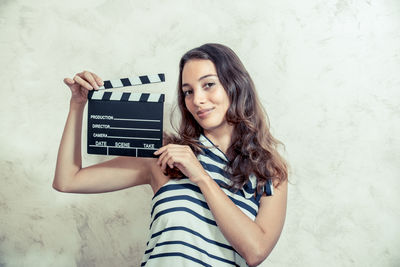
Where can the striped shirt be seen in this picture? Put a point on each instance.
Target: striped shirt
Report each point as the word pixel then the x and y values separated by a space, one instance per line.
pixel 183 231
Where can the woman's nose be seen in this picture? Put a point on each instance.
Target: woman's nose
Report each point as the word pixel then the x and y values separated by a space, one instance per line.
pixel 199 98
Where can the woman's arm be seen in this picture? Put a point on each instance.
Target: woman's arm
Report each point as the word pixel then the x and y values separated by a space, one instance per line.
pixel 253 240
pixel 115 174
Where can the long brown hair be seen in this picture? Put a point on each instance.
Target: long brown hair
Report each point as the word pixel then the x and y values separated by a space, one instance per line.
pixel 253 149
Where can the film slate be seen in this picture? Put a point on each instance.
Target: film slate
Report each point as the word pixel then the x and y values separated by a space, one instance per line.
pixel 125 123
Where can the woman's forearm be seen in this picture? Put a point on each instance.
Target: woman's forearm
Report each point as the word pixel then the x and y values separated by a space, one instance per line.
pixel 241 232
pixel 69 159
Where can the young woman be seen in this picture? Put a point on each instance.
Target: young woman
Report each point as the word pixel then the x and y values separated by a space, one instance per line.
pixel 220 186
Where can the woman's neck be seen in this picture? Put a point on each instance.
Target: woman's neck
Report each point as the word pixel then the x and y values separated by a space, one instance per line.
pixel 221 139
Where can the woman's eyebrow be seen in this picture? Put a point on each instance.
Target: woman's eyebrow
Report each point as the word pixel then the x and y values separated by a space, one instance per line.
pixel 201 78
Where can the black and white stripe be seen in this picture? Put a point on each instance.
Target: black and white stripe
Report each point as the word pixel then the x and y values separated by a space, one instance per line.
pixel 136 80
pixel 183 230
pixel 126 96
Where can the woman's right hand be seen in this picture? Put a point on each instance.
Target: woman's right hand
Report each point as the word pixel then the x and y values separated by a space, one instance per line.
pixel 81 84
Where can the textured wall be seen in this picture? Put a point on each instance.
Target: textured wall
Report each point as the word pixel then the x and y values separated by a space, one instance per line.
pixel 328 73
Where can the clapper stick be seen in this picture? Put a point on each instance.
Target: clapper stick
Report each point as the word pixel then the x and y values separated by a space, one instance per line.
pixel 137 80
pixel 125 123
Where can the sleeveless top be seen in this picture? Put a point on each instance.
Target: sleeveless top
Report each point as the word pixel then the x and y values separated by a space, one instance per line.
pixel 183 231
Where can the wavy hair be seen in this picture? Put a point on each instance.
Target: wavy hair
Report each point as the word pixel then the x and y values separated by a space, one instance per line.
pixel 253 149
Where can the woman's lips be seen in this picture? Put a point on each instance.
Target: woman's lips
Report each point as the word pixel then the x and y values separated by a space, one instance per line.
pixel 204 112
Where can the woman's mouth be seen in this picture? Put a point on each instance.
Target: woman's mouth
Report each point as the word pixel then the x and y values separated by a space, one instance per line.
pixel 204 112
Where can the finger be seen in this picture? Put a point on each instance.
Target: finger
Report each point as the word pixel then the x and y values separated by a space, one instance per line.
pixel 172 147
pixel 90 78
pixel 80 74
pixel 172 162
pixel 69 81
pixel 173 158
pixel 161 153
pixel 165 160
pixel 98 79
pixel 160 158
pixel 161 150
pixel 82 82
pixel 166 150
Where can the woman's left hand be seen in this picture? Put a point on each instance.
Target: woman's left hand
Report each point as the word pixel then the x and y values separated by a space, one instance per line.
pixel 184 159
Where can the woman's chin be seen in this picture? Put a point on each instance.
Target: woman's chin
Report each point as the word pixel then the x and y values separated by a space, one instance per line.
pixel 209 126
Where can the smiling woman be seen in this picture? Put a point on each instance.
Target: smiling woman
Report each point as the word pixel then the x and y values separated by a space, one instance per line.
pixel 229 204
pixel 205 97
pixel 250 142
pixel 242 179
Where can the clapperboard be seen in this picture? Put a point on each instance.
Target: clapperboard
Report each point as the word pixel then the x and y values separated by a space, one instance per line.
pixel 125 123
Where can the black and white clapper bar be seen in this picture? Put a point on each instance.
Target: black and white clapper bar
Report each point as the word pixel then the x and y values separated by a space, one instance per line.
pixel 125 123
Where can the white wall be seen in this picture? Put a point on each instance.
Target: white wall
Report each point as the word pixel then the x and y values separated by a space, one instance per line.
pixel 328 73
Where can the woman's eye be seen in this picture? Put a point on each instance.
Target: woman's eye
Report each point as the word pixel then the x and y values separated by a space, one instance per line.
pixel 187 92
pixel 208 85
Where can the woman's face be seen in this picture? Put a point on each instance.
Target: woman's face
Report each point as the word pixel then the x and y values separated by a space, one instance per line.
pixel 205 98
